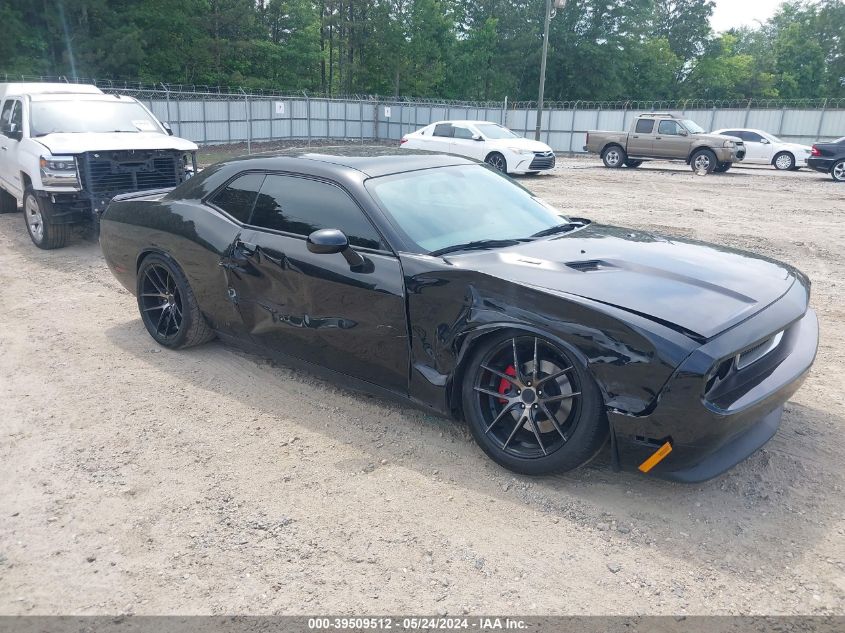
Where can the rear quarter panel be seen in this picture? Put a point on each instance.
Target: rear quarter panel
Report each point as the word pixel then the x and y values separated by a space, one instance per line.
pixel 194 236
pixel 599 140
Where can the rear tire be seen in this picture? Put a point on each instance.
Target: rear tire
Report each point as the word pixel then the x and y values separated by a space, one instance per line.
pixel 168 306
pixel 43 233
pixel 838 171
pixel 8 202
pixel 613 157
pixel 532 418
pixel 784 161
pixel 703 160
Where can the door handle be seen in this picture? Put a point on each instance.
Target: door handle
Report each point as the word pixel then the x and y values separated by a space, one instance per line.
pixel 4 148
pixel 635 136
pixel 658 138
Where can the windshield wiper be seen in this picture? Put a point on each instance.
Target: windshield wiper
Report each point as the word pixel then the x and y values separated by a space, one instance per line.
pixel 478 245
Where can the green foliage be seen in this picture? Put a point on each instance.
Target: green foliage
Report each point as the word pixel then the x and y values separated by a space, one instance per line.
pixel 460 49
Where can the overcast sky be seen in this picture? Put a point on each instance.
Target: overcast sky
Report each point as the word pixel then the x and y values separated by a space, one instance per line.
pixel 730 13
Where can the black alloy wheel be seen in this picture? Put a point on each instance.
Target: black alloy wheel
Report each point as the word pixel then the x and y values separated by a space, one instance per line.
pixel 527 402
pixel 498 162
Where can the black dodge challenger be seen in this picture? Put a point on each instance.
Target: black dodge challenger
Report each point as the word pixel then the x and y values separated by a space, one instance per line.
pixel 435 279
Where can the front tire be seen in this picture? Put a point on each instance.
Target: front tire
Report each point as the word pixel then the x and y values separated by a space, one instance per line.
pixel 703 160
pixel 168 307
pixel 613 157
pixel 43 233
pixel 497 161
pixel 784 161
pixel 531 406
pixel 838 171
pixel 721 168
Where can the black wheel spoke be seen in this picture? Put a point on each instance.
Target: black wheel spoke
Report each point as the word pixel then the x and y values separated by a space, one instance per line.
pixel 553 376
pixel 156 283
pixel 151 308
pixel 160 319
pixel 563 396
pixel 501 375
pixel 519 424
pixel 554 421
pixel 536 430
pixel 536 370
pixel 162 284
pixel 489 392
pixel 501 415
pixel 516 367
pixel 154 294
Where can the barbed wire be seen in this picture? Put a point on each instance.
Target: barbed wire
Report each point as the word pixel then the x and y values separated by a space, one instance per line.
pixel 149 90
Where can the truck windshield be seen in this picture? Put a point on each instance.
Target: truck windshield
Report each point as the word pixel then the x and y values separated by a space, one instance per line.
pixel 439 208
pixel 493 131
pixel 69 116
pixel 692 127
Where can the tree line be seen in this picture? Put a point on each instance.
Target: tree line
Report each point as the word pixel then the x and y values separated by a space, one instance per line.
pixel 451 49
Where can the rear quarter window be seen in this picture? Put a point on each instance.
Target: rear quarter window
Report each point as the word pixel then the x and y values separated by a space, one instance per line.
pixel 645 126
pixel 238 197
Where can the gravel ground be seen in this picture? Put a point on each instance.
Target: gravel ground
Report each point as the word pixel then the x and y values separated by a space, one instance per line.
pixel 138 480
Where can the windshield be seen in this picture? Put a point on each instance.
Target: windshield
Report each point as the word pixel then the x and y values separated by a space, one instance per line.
pixel 693 127
pixel 446 206
pixel 48 117
pixel 493 131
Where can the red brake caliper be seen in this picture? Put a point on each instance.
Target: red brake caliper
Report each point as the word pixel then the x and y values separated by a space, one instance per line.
pixel 504 385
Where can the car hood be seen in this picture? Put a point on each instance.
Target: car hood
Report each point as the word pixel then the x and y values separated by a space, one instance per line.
pixel 66 143
pixel 719 138
pixel 698 288
pixel 520 143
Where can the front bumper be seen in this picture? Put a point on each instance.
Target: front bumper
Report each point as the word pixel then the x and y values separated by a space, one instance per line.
pixel 539 161
pixel 707 438
pixel 74 208
pixel 821 164
pixel 729 154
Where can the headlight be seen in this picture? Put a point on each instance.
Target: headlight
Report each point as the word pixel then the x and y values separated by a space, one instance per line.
pixel 59 171
pixel 730 144
pixel 519 150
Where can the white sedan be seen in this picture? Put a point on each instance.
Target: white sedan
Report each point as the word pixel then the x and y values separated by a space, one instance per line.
pixel 763 148
pixel 492 143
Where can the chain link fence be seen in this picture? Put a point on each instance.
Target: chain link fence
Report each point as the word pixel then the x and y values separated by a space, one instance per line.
pixel 211 115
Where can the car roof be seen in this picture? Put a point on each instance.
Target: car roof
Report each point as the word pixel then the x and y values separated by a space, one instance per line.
pixel 372 161
pixel 463 122
pixel 33 88
pixel 66 96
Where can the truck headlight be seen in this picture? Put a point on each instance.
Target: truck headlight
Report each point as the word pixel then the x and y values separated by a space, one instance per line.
pixel 59 171
pixel 730 144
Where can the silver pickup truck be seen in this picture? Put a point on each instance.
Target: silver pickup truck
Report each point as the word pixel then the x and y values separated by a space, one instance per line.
pixel 664 136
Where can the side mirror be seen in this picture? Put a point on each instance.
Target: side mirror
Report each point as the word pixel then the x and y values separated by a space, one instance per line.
pixel 765 141
pixel 167 128
pixel 14 133
pixel 684 133
pixel 332 241
pixel 478 137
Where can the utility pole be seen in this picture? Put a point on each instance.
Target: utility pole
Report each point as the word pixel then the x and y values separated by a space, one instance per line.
pixel 558 4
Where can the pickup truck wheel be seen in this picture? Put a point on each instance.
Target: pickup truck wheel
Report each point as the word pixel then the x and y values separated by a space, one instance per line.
pixel 614 157
pixel 721 168
pixel 8 202
pixel 168 306
pixel 703 160
pixel 43 233
pixel 633 164
pixel 784 161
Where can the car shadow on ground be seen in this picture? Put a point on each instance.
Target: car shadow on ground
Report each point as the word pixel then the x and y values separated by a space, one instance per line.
pixel 755 505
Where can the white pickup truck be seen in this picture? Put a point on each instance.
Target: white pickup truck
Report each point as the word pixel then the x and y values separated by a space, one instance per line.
pixel 67 149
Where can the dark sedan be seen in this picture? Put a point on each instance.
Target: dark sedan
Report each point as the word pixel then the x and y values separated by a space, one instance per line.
pixel 829 158
pixel 435 279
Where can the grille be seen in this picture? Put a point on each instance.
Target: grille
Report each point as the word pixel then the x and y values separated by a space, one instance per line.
pixel 589 265
pixel 111 173
pixel 543 160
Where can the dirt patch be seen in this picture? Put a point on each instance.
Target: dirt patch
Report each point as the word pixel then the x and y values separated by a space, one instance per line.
pixel 139 480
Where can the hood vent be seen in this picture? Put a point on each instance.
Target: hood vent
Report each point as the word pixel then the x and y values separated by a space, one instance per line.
pixel 590 265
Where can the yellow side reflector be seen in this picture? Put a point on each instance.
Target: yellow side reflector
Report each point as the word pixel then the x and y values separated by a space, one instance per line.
pixel 656 458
